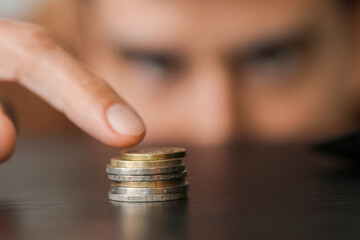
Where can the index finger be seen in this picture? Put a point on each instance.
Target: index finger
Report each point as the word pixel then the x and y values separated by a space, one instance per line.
pixel 87 100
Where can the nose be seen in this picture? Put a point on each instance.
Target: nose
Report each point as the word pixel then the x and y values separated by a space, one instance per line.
pixel 213 103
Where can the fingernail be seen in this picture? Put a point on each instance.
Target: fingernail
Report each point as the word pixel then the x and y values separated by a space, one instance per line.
pixel 124 120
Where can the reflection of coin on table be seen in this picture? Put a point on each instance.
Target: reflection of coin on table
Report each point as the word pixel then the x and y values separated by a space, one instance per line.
pixel 148 174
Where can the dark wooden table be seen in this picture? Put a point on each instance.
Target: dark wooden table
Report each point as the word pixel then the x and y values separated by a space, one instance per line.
pixel 57 189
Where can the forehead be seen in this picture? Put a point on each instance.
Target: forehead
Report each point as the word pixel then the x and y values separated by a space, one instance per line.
pixel 158 22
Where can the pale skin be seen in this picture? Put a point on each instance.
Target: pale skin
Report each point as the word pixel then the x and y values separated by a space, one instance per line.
pixel 200 73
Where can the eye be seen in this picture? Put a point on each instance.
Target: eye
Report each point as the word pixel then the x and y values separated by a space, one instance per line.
pixel 274 59
pixel 156 64
pixel 156 61
pixel 278 60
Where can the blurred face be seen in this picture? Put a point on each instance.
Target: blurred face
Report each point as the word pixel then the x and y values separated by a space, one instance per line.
pixel 203 72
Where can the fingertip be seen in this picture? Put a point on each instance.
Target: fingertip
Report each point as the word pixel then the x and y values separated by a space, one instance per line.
pixel 7 137
pixel 127 126
pixel 124 141
pixel 124 120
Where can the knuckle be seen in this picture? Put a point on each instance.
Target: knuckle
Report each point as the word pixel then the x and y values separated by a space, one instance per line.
pixel 22 42
pixel 34 37
pixel 26 36
pixel 37 33
pixel 40 37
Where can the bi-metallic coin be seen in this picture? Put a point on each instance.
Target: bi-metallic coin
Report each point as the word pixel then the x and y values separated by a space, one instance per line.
pixel 156 184
pixel 145 171
pixel 146 178
pixel 146 198
pixel 116 162
pixel 153 153
pixel 149 191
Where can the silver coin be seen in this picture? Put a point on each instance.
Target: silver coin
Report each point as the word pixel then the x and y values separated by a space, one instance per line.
pixel 146 198
pixel 148 178
pixel 149 191
pixel 145 171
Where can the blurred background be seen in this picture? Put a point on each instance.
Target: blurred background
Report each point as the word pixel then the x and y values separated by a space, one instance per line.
pixel 274 71
pixel 19 9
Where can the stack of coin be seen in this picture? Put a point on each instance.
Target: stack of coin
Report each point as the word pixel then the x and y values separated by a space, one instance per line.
pixel 148 175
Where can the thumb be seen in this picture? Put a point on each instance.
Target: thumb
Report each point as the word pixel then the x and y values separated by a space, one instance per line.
pixel 7 133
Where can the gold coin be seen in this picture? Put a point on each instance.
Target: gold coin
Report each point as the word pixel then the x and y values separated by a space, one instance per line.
pixel 155 184
pixel 153 153
pixel 115 162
